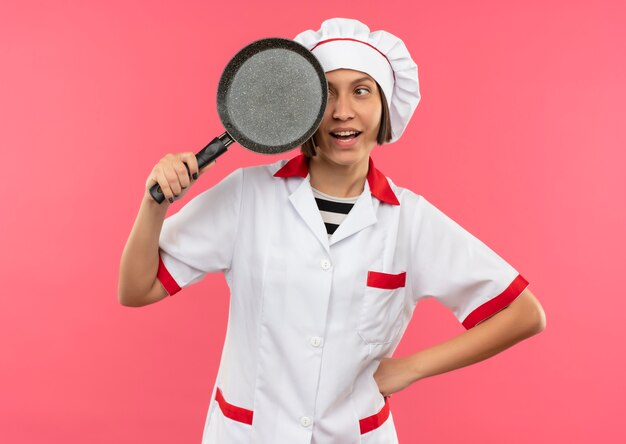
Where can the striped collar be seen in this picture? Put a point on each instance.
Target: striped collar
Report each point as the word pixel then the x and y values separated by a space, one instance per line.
pixel 378 183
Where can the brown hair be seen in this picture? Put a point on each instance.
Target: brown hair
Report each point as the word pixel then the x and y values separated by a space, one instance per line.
pixel 384 132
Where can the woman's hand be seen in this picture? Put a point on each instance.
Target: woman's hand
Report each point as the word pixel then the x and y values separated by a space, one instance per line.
pixel 172 175
pixel 393 375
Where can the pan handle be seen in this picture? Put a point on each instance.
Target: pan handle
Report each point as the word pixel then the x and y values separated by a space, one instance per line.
pixel 205 156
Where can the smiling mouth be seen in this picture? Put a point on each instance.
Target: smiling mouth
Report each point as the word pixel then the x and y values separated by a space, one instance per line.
pixel 345 135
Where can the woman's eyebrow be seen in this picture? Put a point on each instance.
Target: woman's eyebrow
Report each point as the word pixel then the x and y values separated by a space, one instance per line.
pixel 359 80
pixel 362 79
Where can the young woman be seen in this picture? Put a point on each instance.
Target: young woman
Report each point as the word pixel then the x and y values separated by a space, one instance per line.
pixel 326 260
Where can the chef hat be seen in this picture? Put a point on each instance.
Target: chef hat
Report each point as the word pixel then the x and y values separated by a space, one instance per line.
pixel 348 43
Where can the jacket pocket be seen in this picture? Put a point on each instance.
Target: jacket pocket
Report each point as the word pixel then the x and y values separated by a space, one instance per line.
pixel 376 420
pixel 381 307
pixel 228 423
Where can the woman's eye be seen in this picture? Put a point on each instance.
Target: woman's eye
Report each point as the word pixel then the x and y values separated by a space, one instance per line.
pixel 361 91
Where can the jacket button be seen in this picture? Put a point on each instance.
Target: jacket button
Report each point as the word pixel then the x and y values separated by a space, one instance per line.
pixel 305 421
pixel 325 263
pixel 316 341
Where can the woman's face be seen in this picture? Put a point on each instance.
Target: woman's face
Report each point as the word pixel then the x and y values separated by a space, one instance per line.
pixel 351 121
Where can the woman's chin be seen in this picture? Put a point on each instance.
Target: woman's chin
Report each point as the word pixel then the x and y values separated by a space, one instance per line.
pixel 343 157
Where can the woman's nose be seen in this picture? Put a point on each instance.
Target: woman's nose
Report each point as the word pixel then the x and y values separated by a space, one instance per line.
pixel 342 108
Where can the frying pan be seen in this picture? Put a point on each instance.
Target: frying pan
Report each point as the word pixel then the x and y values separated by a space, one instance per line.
pixel 271 98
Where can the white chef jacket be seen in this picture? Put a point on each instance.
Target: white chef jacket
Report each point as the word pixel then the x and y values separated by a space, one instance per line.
pixel 311 316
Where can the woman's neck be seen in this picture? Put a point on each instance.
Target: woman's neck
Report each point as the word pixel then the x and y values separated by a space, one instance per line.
pixel 337 180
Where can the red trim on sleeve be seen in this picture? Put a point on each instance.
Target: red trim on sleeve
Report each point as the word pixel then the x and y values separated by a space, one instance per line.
pixel 496 304
pixel 166 279
pixel 373 422
pixel 232 411
pixel 386 281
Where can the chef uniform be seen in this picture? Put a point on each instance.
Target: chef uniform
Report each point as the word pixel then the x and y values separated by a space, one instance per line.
pixel 312 315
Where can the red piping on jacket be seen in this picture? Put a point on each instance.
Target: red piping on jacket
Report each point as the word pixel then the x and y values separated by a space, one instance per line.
pixel 245 416
pixel 379 185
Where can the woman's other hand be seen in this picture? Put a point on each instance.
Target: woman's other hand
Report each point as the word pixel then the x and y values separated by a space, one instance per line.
pixel 393 375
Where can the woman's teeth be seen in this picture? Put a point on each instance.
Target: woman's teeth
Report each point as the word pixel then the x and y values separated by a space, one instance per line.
pixel 345 134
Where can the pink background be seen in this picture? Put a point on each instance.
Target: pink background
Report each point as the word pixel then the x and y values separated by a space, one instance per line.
pixel 519 137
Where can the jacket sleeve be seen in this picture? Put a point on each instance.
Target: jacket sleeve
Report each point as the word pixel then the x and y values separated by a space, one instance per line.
pixel 451 265
pixel 200 237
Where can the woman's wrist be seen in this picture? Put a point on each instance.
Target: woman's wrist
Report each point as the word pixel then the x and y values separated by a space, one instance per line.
pixel 416 367
pixel 154 206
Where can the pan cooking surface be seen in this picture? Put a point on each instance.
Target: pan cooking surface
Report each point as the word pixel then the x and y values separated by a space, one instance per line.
pixel 274 100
